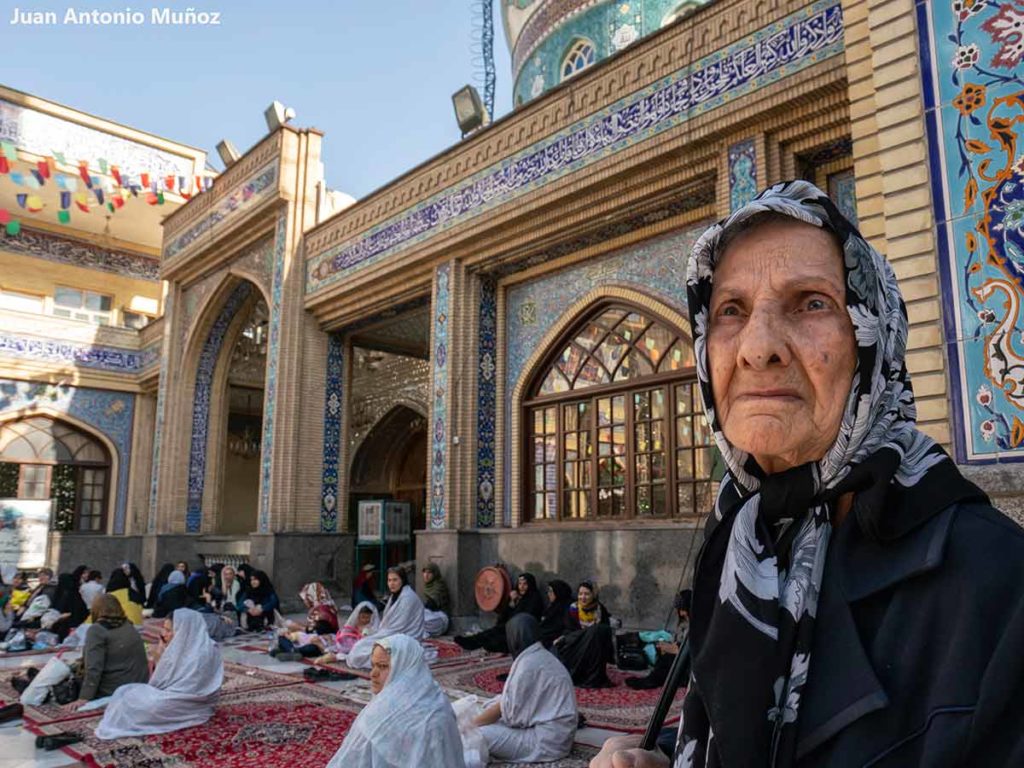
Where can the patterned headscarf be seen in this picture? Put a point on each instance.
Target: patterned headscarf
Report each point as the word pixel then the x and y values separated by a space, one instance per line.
pixel 756 592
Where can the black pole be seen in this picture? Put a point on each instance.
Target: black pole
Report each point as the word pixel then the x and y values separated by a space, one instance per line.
pixel 668 694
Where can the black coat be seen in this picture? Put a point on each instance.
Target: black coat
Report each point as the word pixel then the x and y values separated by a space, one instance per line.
pixel 918 654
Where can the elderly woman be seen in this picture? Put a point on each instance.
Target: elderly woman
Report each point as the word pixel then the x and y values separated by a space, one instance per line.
pixel 408 722
pixel 821 627
pixel 535 719
pixel 436 601
pixel 182 691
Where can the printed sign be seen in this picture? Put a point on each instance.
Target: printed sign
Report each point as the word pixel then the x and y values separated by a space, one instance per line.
pixel 24 528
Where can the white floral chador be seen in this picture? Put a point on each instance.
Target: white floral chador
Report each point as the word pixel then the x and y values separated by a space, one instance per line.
pixel 758 577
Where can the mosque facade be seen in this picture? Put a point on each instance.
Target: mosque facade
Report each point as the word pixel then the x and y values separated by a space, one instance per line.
pixel 498 337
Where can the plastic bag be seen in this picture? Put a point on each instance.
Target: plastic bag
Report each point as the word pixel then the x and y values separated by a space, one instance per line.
pixel 45 640
pixel 38 690
pixel 49 618
pixel 16 641
pixel 474 746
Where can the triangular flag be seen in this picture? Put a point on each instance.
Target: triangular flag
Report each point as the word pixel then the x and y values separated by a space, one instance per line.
pixel 110 207
pixel 59 157
pixel 199 183
pixel 18 178
pixel 145 179
pixel 82 201
pixel 65 199
pixel 5 165
pixel 118 201
pixel 103 165
pixel 22 199
pixel 38 176
pixel 135 190
pixel 83 171
pixel 99 195
pixel 9 150
pixel 94 181
pixel 159 198
pixel 116 173
pixel 34 203
pixel 169 182
pixel 64 217
pixel 151 198
pixel 5 216
pixel 13 227
pixel 44 168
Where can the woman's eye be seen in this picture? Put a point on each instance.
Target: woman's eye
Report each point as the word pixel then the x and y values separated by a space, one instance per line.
pixel 816 304
pixel 729 310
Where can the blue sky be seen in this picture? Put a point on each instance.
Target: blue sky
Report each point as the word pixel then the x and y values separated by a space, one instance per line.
pixel 376 76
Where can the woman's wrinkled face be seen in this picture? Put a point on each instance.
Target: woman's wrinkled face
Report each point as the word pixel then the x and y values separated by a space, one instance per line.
pixel 394 583
pixel 522 585
pixel 584 596
pixel 380 670
pixel 781 346
pixel 364 618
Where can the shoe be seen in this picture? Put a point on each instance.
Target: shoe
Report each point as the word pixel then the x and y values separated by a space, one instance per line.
pixel 11 712
pixel 502 677
pixel 20 683
pixel 50 743
pixel 315 673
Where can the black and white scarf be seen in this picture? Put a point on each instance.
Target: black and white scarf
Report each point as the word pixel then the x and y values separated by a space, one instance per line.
pixel 758 577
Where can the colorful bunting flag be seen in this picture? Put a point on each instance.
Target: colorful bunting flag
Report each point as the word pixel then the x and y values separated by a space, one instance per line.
pixel 5 216
pixel 9 150
pixel 22 199
pixel 169 182
pixel 118 201
pixel 39 179
pixel 103 166
pixel 99 195
pixel 5 165
pixel 44 168
pixel 159 198
pixel 65 200
pixel 64 217
pixel 59 156
pixel 110 207
pixel 34 203
pixel 151 198
pixel 18 178
pixel 116 173
pixel 14 227
pixel 145 179
pixel 83 171
pixel 82 201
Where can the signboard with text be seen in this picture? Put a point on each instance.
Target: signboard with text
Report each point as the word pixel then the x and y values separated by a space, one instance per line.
pixel 24 528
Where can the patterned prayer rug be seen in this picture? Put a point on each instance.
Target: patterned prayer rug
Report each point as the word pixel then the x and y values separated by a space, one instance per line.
pixel 295 725
pixel 237 679
pixel 580 757
pixel 619 708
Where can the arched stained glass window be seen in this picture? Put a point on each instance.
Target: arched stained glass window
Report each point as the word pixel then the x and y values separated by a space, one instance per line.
pixel 582 53
pixel 614 428
pixel 43 458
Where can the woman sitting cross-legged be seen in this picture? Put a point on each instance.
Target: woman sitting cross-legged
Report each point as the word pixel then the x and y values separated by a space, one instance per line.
pixel 182 691
pixel 535 719
pixel 362 622
pixel 259 603
pixel 587 647
pixel 554 622
pixel 171 596
pixel 115 653
pixel 436 601
pixel 403 615
pixel 409 721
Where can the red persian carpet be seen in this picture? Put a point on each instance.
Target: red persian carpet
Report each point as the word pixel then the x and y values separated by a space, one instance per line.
pixel 295 725
pixel 620 708
pixel 237 679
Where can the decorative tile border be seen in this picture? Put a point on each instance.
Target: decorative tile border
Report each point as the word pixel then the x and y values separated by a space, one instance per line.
pixel 201 401
pixel 545 20
pixel 742 173
pixel 486 400
pixel 270 395
pixel 333 394
pixel 91 356
pixel 62 250
pixel 535 306
pixel 439 439
pixel 158 430
pixel 110 413
pixel 151 355
pixel 970 64
pixel 792 44
pixel 244 197
pixel 43 134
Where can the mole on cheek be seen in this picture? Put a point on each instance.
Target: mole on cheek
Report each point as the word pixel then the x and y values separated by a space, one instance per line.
pixel 825 358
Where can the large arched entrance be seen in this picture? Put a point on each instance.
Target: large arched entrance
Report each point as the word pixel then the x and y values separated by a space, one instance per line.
pixel 391 463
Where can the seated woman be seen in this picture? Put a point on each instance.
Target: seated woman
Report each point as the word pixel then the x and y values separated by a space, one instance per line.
pixel 409 720
pixel 127 576
pixel 115 653
pixel 69 604
pixel 525 598
pixel 259 603
pixel 91 587
pixel 230 589
pixel 403 615
pixel 158 583
pixel 197 586
pixel 535 719
pixel 362 622
pixel 20 592
pixel 172 595
pixel 38 601
pixel 587 648
pixel 122 587
pixel 181 692
pixel 553 622
pixel 321 614
pixel 666 652
pixel 363 590
pixel 436 601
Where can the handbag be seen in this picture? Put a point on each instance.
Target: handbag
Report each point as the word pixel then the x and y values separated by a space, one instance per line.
pixel 629 651
pixel 67 690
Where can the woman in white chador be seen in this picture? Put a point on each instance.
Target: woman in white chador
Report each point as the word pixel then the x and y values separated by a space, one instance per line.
pixel 403 615
pixel 181 692
pixel 535 719
pixel 409 721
